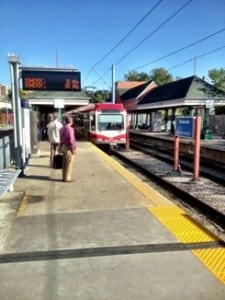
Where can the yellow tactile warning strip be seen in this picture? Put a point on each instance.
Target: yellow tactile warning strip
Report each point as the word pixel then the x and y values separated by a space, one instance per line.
pixel 176 221
pixel 214 260
pixel 181 225
pixel 187 230
pixel 22 205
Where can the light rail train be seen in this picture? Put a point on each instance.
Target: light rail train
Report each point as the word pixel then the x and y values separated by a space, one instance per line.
pixel 101 123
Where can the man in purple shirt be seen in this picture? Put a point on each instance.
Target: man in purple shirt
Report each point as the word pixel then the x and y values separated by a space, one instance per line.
pixel 67 147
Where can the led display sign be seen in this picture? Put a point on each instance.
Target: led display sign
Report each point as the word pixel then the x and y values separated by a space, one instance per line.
pixel 51 80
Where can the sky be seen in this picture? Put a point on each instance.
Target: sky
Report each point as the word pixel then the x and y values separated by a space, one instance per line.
pixel 185 37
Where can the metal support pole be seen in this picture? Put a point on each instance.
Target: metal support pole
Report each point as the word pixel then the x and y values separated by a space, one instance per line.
pixel 176 153
pixel 14 72
pixel 206 123
pixel 113 83
pixel 197 148
pixel 166 120
pixel 59 114
pixel 127 146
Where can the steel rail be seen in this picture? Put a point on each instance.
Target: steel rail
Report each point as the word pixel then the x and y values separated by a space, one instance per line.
pixel 207 170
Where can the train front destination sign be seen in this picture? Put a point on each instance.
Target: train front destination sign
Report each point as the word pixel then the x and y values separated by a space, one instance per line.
pixel 47 80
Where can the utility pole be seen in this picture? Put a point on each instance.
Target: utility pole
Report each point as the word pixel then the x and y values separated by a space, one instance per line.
pixel 14 63
pixel 113 84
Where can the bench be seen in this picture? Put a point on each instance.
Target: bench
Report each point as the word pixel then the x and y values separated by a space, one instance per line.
pixel 7 178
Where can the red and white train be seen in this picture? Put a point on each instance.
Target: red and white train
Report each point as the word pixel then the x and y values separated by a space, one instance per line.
pixel 101 123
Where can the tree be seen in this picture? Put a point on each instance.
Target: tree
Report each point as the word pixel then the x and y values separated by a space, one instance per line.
pixel 135 76
pixel 23 94
pixel 218 78
pixel 161 76
pixel 100 96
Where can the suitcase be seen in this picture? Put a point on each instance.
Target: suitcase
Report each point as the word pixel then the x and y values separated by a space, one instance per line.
pixel 58 161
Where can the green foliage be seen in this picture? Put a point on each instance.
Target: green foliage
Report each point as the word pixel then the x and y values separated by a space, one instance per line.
pixel 218 78
pixel 23 94
pixel 135 76
pixel 100 96
pixel 9 94
pixel 159 75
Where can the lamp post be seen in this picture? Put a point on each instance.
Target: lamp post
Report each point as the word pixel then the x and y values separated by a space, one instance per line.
pixel 14 63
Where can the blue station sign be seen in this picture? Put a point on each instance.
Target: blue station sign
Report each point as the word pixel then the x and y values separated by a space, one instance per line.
pixel 185 127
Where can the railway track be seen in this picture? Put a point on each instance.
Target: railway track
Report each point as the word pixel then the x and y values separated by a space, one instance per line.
pixel 209 169
pixel 205 196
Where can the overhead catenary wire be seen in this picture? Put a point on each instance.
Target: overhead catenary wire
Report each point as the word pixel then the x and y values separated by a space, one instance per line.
pixel 148 36
pixel 129 33
pixel 154 31
pixel 180 49
pixel 102 78
pixel 196 57
pixel 125 37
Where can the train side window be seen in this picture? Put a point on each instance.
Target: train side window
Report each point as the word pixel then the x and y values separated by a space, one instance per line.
pixel 93 122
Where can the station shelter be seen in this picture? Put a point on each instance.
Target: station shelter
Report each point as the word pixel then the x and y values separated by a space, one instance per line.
pixel 44 103
pixel 157 108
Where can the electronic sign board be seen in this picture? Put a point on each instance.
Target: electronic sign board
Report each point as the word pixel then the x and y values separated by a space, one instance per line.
pixel 51 80
pixel 185 127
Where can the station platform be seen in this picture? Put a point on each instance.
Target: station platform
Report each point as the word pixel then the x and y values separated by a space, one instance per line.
pixel 107 235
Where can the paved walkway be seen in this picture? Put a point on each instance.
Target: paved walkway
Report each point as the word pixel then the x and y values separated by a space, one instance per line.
pixel 94 239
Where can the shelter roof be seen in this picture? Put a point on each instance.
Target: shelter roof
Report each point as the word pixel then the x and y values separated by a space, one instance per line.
pixel 58 98
pixel 188 88
pixel 201 89
pixel 57 94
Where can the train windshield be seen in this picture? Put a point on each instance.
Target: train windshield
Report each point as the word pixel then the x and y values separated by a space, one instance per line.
pixel 110 122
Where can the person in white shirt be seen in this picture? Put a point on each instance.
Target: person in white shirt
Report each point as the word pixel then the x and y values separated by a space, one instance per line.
pixel 53 128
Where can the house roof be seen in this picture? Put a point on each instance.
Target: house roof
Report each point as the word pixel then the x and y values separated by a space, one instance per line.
pixel 188 88
pixel 128 84
pixel 135 91
pixel 124 86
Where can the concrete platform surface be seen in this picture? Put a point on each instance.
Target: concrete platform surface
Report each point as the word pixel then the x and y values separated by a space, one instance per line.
pixel 93 239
